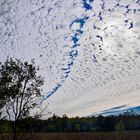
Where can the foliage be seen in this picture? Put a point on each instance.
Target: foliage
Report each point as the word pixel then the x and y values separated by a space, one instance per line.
pixel 120 126
pixel 20 89
pixel 84 124
pixel 5 127
pixel 77 128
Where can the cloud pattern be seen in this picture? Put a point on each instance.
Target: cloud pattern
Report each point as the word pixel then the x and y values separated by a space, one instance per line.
pixel 88 50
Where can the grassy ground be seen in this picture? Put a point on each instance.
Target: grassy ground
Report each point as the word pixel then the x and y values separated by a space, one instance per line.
pixel 83 136
pixel 89 136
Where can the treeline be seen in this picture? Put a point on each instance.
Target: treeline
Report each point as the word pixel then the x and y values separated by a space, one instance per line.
pixel 123 122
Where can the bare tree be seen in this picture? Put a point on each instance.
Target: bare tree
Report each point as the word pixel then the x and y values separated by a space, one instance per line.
pixel 20 90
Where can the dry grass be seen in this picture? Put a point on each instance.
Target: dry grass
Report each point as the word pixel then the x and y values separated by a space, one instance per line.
pixel 83 136
pixel 86 136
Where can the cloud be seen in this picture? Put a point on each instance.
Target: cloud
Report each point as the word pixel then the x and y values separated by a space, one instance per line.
pixel 88 50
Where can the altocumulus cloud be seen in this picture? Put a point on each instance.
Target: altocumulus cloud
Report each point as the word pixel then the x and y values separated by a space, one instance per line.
pixel 88 50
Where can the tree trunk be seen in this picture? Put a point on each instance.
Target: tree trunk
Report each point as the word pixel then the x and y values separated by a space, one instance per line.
pixel 15 130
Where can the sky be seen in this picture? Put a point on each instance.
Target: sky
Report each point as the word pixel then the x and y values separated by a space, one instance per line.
pixel 88 51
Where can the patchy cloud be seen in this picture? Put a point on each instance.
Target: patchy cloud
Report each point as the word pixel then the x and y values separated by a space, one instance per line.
pixel 88 50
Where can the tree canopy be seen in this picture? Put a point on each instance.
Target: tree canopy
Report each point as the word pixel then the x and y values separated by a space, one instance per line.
pixel 20 89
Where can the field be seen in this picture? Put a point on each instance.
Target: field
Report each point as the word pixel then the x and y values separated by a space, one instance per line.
pixel 84 136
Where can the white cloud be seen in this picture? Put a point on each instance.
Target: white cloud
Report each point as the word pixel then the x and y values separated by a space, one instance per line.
pixel 98 70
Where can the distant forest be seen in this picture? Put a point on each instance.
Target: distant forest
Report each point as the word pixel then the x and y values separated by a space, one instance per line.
pixel 125 122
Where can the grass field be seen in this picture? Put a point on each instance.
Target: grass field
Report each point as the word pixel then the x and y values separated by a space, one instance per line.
pixel 83 136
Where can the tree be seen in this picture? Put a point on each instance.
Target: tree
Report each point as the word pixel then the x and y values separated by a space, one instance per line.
pixel 20 90
pixel 120 126
pixel 77 127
